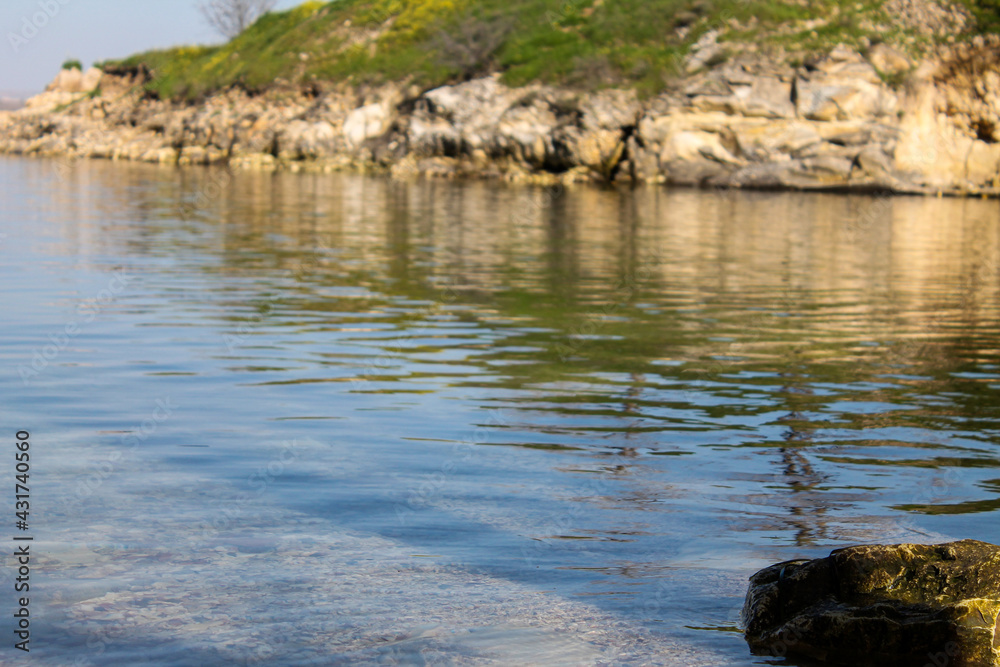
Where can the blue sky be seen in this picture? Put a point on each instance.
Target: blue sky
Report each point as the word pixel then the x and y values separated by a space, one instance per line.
pixel 90 31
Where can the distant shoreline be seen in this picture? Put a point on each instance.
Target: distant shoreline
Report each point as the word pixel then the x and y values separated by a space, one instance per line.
pixel 834 125
pixel 11 103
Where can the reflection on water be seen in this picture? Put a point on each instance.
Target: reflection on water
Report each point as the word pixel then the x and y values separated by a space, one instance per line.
pixel 437 423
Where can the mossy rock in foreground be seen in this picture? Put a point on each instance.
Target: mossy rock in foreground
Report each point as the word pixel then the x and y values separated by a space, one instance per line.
pixel 902 604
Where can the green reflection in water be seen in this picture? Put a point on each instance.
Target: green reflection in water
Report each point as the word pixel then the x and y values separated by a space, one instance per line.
pixel 656 322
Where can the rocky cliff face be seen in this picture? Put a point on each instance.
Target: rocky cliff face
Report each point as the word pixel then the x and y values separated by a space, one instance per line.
pixel 831 123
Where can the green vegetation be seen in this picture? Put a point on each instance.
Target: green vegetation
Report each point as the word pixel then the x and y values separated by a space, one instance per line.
pixel 987 14
pixel 803 31
pixel 72 63
pixel 583 43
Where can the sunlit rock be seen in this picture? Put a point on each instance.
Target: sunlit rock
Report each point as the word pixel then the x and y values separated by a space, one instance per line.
pixel 904 604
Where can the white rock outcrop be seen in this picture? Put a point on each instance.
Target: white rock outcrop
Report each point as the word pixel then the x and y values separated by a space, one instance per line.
pixel 832 123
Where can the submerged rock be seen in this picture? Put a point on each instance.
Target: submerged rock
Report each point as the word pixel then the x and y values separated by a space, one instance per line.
pixel 903 604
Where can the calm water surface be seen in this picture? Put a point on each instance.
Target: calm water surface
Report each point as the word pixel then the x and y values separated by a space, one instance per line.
pixel 322 419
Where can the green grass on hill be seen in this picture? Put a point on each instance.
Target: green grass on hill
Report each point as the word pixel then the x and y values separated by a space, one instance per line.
pixel 582 43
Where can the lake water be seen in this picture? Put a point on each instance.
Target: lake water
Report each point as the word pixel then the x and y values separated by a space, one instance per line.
pixel 336 419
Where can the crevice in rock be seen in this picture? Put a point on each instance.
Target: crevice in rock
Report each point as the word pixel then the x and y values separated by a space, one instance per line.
pixel 628 131
pixel 558 160
pixel 409 105
pixel 985 130
pixel 454 148
pixel 312 91
pixel 567 113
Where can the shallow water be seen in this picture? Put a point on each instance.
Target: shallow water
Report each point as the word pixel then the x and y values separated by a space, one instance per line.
pixel 334 419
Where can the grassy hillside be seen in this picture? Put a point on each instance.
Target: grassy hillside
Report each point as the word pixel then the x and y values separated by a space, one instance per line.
pixel 585 43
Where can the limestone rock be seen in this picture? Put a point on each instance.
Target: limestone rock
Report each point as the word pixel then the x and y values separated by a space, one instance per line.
pixel 430 134
pixel 201 155
pixel 253 162
pixel 752 121
pixel 843 86
pixel 733 90
pixel 874 162
pixel 768 140
pixel 930 18
pixel 74 81
pixel 948 137
pixel 91 80
pixel 697 172
pixel 524 132
pixel 160 155
pixel 703 52
pixel 766 96
pixel 694 145
pixel 302 140
pixel 371 120
pixel 888 60
pixel 473 108
pixel 895 605
pixel 644 165
pixel 68 86
pixel 598 141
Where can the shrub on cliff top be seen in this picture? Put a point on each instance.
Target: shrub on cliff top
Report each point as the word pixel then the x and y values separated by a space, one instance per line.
pixel 231 17
pixel 469 45
pixel 987 14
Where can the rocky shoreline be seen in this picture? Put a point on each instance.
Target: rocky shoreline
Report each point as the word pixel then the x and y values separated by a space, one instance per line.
pixel 833 123
pixel 892 605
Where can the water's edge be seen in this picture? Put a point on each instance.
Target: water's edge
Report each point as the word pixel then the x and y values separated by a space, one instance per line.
pixel 751 122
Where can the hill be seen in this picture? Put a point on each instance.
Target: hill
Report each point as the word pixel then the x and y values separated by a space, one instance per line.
pixel 587 44
pixel 899 96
